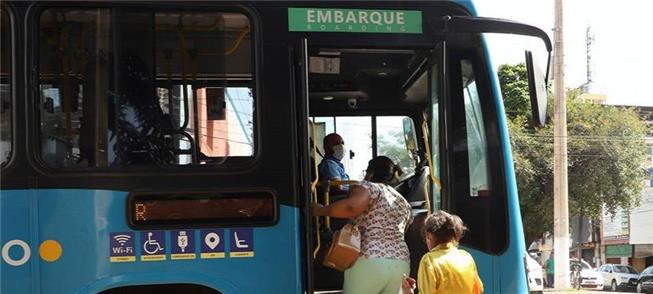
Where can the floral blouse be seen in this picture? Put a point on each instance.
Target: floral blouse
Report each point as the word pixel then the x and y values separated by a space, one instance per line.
pixel 383 223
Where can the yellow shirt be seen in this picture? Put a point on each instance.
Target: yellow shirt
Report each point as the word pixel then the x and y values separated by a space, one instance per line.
pixel 447 269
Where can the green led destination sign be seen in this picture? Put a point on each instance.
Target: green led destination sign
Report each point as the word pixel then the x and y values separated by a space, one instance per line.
pixel 354 20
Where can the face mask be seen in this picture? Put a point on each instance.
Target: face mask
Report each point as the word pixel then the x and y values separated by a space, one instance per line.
pixel 339 152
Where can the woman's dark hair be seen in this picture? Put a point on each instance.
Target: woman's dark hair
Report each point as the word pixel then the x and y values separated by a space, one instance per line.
pixel 445 227
pixel 383 170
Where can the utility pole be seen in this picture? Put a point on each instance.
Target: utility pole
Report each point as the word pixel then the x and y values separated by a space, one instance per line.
pixel 560 201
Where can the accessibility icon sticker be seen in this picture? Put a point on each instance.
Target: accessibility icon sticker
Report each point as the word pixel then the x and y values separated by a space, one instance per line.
pixel 122 247
pixel 153 245
pixel 183 245
pixel 212 243
pixel 242 243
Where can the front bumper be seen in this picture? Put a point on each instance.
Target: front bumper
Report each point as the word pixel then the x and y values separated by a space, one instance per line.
pixel 632 284
pixel 591 284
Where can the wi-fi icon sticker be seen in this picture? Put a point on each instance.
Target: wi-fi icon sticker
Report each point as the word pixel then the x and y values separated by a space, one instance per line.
pixel 121 239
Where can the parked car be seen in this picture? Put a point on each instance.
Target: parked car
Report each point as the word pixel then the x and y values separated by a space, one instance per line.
pixel 589 278
pixel 535 275
pixel 645 281
pixel 617 276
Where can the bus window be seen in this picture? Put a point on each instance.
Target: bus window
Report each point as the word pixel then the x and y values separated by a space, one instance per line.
pixel 476 140
pixel 476 194
pixel 356 131
pixel 5 87
pixel 145 87
pixel 390 142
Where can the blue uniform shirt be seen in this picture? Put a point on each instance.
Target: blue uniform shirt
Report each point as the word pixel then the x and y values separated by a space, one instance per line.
pixel 331 168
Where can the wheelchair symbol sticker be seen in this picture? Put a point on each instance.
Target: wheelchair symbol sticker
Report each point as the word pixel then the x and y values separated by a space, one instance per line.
pixel 153 243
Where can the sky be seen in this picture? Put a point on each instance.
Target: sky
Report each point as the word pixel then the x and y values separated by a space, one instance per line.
pixel 621 59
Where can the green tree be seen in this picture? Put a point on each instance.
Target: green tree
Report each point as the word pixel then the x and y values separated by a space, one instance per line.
pixel 606 149
pixel 514 87
pixel 392 145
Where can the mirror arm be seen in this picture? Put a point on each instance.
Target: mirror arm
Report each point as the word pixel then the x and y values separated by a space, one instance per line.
pixel 548 68
pixel 470 24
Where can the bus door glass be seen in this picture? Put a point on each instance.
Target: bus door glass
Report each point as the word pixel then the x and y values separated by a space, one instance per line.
pixel 5 87
pixel 479 184
pixel 475 193
pixel 436 82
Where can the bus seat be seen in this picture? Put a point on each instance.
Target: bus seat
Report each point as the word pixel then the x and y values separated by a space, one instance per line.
pixel 415 241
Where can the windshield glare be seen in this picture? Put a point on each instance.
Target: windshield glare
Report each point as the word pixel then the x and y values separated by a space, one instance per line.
pixel 624 269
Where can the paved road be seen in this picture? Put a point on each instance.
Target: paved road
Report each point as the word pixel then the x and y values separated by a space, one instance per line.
pixel 581 292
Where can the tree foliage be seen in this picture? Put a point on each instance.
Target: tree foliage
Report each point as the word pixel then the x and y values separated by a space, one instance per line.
pixel 392 145
pixel 606 149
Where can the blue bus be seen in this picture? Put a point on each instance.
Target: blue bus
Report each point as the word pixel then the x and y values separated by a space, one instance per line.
pixel 165 147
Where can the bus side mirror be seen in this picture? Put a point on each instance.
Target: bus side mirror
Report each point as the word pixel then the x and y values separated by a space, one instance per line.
pixel 537 91
pixel 409 135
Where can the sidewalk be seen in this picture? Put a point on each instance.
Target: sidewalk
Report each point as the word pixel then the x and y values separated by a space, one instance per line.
pixel 580 291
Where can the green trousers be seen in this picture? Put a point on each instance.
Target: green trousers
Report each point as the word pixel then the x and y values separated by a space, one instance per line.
pixel 375 275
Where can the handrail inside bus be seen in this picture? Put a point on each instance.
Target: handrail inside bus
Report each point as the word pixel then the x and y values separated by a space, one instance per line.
pixel 314 187
pixel 327 199
pixel 429 159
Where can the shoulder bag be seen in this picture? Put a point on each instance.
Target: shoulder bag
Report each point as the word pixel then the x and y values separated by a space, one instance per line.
pixel 344 249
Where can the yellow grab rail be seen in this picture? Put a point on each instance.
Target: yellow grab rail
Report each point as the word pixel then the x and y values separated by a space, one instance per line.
pixel 429 157
pixel 314 187
pixel 327 198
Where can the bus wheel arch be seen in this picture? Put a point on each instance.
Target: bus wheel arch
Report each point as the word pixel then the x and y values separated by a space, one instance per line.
pixel 181 282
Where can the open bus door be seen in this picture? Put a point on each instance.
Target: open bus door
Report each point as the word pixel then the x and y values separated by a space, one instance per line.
pixel 443 129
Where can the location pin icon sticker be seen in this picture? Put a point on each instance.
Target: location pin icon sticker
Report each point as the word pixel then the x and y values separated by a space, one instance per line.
pixel 212 240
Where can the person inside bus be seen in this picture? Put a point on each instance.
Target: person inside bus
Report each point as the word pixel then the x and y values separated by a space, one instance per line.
pixel 445 268
pixel 331 167
pixel 382 215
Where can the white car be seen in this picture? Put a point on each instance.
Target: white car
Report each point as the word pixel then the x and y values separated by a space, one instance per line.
pixel 617 276
pixel 589 278
pixel 535 275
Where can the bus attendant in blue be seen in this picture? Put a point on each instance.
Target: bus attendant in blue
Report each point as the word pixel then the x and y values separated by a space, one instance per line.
pixel 331 167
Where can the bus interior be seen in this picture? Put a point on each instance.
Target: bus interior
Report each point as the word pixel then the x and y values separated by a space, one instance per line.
pixel 375 99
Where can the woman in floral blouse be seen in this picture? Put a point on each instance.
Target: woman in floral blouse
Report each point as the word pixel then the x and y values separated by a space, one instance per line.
pixel 382 216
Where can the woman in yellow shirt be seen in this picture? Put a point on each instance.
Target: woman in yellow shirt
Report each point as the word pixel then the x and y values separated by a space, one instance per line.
pixel 445 268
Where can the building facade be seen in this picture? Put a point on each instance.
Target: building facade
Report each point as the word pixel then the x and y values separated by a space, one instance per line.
pixel 627 236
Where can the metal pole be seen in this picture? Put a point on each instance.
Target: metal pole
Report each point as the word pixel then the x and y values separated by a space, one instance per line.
pixel 560 203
